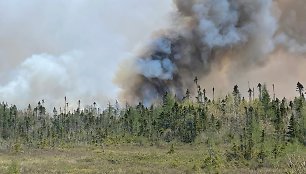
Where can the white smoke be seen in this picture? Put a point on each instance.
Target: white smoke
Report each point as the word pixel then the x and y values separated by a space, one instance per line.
pixel 291 44
pixel 162 45
pixel 226 23
pixel 40 76
pixel 217 20
pixel 52 49
pixel 162 69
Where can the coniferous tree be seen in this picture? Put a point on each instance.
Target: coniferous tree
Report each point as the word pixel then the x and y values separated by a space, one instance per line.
pixel 262 155
pixel 292 129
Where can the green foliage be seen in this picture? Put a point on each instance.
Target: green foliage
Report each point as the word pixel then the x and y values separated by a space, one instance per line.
pixel 16 147
pixel 292 129
pixel 171 151
pixel 13 168
pixel 266 101
pixel 212 163
pixel 253 131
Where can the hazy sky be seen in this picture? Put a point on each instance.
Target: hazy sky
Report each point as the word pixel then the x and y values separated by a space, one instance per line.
pixel 54 48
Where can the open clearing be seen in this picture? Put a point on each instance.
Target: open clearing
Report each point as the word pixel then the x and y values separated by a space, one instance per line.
pixel 123 159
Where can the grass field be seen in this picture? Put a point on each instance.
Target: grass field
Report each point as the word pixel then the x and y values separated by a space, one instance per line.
pixel 132 159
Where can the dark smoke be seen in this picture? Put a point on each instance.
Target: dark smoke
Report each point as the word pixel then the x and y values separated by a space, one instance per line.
pixel 206 34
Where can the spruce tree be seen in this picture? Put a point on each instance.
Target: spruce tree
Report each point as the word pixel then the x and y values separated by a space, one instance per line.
pixel 292 129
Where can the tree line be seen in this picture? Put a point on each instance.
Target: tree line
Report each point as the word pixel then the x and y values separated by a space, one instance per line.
pixel 255 128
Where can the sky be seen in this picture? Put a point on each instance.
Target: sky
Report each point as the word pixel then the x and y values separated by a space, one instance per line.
pixel 51 49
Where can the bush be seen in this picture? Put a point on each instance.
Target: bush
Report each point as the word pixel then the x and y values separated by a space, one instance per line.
pixel 171 151
pixel 14 168
pixel 211 163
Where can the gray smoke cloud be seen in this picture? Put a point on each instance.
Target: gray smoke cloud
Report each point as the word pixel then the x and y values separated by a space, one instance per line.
pixel 74 48
pixel 52 49
pixel 227 40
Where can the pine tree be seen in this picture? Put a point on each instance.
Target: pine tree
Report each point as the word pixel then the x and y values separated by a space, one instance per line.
pixel 237 99
pixel 292 129
pixel 262 154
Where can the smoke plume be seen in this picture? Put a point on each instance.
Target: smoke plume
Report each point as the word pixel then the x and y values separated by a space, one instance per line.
pixel 72 48
pixel 222 42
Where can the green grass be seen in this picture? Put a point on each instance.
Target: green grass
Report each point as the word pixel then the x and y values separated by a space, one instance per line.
pixel 127 159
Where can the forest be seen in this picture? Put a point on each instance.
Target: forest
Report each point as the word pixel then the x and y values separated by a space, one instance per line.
pixel 253 132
